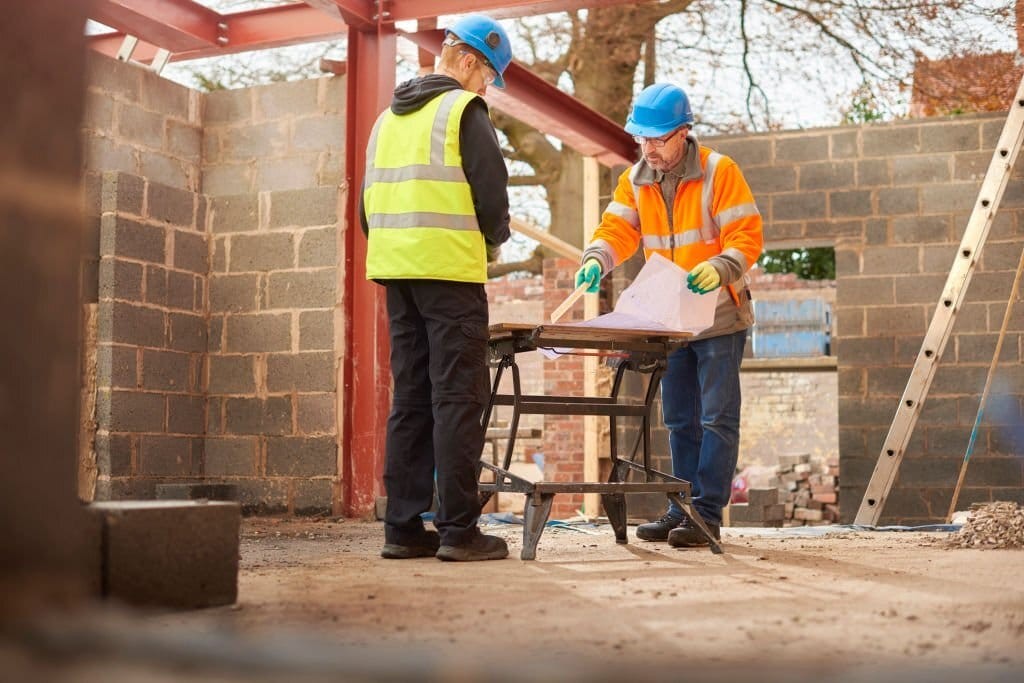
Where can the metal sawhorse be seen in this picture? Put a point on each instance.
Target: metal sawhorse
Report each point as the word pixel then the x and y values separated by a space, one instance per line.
pixel 642 351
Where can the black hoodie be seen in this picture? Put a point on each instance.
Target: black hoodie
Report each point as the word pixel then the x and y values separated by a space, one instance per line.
pixel 481 155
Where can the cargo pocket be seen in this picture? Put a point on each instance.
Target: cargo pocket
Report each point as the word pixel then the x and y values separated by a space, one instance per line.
pixel 474 360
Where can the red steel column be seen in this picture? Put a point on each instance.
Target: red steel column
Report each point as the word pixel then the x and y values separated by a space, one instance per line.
pixel 367 372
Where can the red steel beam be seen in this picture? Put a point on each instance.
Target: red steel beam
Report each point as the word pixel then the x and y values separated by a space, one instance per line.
pixel 360 14
pixel 254 30
pixel 366 370
pixel 499 9
pixel 533 100
pixel 175 25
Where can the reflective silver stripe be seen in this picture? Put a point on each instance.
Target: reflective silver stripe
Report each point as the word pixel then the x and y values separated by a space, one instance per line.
pixel 624 212
pixel 709 230
pixel 667 242
pixel 422 219
pixel 439 133
pixel 737 212
pixel 415 172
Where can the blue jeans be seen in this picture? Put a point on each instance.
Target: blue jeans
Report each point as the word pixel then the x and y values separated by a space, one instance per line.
pixel 700 396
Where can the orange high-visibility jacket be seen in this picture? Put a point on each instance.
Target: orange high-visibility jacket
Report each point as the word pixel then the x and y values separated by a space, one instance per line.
pixel 714 218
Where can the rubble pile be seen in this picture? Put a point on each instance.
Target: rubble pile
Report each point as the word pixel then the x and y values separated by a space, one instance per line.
pixel 804 491
pixel 991 525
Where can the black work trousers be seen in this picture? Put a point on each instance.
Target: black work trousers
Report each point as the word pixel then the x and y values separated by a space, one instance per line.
pixel 441 384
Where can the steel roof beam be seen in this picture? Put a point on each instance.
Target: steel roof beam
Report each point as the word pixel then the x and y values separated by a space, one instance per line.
pixel 533 100
pixel 253 30
pixel 359 14
pixel 501 9
pixel 175 25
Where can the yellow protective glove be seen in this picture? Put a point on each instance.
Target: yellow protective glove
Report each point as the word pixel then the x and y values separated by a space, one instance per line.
pixel 590 274
pixel 703 278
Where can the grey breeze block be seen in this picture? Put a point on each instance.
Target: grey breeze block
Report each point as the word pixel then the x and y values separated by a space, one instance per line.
pixel 177 554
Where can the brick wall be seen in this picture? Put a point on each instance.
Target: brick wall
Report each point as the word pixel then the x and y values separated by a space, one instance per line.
pixel 787 410
pixel 563 434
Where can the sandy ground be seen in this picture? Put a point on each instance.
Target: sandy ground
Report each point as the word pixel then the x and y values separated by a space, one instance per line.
pixel 774 606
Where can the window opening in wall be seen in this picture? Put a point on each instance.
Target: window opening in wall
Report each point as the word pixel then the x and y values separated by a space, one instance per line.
pixel 793 294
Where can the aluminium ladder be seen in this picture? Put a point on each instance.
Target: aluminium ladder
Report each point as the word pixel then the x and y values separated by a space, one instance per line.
pixel 996 179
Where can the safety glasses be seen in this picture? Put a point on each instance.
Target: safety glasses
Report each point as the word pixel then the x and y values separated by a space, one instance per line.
pixel 490 73
pixel 656 143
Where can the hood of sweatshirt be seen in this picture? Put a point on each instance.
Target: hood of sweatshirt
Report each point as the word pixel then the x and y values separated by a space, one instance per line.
pixel 411 95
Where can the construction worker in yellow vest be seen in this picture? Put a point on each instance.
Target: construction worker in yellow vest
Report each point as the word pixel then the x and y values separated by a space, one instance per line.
pixel 691 205
pixel 434 208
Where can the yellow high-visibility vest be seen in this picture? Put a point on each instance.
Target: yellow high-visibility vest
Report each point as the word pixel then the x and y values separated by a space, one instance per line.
pixel 418 203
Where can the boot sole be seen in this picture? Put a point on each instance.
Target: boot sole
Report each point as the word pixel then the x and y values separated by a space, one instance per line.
pixel 451 553
pixel 393 551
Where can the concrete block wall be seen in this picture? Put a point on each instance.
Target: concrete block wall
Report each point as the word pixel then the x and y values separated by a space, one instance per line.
pixel 894 200
pixel 141 124
pixel 216 286
pixel 150 335
pixel 285 136
pixel 272 162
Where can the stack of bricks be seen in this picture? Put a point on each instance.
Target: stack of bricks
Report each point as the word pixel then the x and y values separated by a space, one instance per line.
pixel 810 487
pixel 804 492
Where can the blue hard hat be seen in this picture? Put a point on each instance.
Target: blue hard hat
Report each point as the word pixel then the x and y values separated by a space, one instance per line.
pixel 489 38
pixel 658 110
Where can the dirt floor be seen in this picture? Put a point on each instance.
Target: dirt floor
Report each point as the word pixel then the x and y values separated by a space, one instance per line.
pixel 776 605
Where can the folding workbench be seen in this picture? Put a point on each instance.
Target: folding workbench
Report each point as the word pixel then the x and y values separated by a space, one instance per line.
pixel 641 351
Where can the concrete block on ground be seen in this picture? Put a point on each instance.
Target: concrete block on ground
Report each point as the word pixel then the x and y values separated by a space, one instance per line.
pixel 739 514
pixel 759 498
pixel 178 554
pixel 228 492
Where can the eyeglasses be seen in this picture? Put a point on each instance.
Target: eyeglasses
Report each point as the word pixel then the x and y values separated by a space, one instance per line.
pixel 656 143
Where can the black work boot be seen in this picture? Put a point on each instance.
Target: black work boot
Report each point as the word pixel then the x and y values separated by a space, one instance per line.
pixel 688 535
pixel 482 547
pixel 658 531
pixel 423 546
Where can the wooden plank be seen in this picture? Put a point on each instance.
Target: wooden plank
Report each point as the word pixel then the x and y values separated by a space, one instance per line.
pixel 591 303
pixel 560 247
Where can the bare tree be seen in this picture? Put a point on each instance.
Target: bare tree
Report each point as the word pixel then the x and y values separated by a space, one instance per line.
pixel 801 41
pixel 746 66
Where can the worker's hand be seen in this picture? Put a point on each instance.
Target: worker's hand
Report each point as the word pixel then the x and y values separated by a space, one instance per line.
pixel 493 253
pixel 590 274
pixel 703 278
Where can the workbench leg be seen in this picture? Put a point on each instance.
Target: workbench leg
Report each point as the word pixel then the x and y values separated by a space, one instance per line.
pixel 697 520
pixel 535 516
pixel 615 508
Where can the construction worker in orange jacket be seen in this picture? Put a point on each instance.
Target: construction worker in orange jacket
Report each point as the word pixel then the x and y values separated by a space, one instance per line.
pixel 691 205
